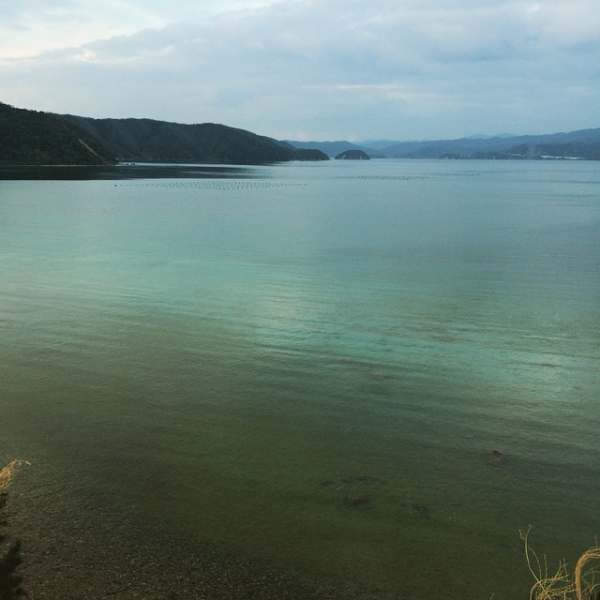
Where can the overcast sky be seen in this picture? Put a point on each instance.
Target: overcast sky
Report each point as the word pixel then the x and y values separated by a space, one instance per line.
pixel 311 69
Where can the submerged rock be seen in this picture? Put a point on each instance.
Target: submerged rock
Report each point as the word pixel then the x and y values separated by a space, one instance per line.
pixel 495 458
pixel 421 509
pixel 364 479
pixel 356 500
pixel 416 509
pixel 326 482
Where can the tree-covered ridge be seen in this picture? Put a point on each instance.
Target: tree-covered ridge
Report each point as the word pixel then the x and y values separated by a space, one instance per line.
pixel 30 137
pixel 146 140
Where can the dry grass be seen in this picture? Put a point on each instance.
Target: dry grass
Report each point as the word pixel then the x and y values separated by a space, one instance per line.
pixel 7 473
pixel 583 585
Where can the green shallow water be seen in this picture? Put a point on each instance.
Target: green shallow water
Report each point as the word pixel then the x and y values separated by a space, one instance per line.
pixel 312 364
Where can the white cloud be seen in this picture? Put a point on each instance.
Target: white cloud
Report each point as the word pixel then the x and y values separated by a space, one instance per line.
pixel 334 67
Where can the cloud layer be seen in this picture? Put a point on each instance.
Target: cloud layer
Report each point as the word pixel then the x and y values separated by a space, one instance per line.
pixel 311 69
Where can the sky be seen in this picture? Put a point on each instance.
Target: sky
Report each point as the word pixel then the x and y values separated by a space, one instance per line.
pixel 319 70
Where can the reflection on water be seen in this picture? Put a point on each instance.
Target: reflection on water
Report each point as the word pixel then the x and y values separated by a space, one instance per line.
pixel 125 171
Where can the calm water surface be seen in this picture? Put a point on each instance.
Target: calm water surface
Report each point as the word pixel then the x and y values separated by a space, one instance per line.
pixel 375 372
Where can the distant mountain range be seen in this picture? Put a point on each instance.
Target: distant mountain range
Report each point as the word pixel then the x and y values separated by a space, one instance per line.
pixel 583 144
pixel 37 138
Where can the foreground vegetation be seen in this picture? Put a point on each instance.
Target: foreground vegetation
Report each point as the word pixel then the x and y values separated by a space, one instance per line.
pixel 561 585
pixel 10 559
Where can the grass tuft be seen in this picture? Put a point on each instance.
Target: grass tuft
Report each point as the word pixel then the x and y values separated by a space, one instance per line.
pixel 7 473
pixel 582 585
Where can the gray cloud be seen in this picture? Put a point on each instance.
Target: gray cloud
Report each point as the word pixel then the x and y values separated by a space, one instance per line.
pixel 332 69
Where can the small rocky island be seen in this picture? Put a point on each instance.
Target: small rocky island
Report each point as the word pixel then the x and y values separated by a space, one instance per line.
pixel 353 155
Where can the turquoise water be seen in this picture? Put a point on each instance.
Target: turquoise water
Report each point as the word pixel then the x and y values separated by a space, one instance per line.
pixel 313 364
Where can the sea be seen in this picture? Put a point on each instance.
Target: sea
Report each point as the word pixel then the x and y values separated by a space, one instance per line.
pixel 379 372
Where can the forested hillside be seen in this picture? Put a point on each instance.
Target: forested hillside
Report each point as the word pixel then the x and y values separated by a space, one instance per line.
pixel 159 141
pixel 29 137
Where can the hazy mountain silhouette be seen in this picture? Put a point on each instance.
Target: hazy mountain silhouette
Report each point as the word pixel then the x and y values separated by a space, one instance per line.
pixel 583 144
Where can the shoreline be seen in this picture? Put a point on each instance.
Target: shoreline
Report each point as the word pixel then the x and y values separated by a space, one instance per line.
pixel 76 549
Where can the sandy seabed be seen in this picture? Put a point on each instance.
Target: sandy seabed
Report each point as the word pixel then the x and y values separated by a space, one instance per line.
pixel 77 548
